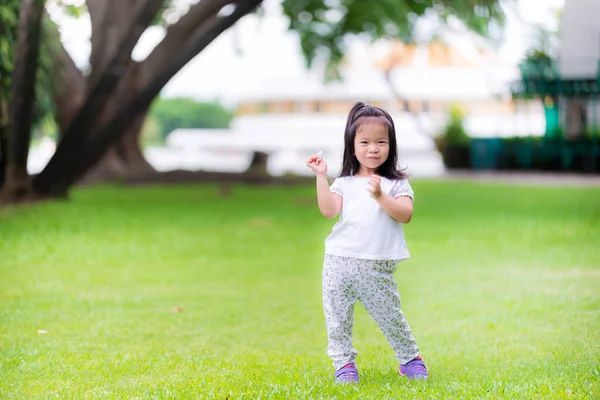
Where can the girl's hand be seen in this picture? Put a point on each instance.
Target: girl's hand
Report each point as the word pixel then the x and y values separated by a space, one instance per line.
pixel 374 186
pixel 317 164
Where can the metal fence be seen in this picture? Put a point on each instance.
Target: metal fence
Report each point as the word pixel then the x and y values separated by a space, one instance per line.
pixel 571 141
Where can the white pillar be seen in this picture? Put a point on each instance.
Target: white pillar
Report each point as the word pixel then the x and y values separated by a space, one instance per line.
pixel 580 39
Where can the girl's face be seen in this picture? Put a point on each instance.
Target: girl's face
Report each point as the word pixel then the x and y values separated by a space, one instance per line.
pixel 371 147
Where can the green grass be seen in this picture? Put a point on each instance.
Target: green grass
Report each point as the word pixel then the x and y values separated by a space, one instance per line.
pixel 502 293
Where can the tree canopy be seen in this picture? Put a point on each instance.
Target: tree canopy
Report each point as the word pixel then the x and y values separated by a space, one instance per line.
pixel 324 25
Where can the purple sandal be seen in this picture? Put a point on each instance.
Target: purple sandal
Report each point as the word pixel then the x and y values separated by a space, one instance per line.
pixel 347 374
pixel 414 369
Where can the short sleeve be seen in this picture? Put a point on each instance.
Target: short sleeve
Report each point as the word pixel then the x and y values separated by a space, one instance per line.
pixel 337 187
pixel 402 188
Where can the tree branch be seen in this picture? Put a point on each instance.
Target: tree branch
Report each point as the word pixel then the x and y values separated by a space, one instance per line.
pixel 420 127
pixel 110 25
pixel 98 10
pixel 68 87
pixel 100 90
pixel 179 33
pixel 141 74
pixel 192 27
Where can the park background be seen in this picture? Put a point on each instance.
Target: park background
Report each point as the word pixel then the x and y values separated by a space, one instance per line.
pixel 159 233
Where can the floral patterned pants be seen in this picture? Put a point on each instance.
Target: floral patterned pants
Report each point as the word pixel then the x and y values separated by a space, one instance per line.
pixel 346 280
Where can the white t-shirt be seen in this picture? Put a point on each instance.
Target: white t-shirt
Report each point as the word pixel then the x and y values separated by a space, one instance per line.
pixel 365 230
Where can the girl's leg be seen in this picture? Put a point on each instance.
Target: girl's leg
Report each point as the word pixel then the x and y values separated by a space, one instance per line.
pixel 339 297
pixel 378 293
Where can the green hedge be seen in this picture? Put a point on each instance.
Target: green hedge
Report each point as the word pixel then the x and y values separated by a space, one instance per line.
pixel 526 153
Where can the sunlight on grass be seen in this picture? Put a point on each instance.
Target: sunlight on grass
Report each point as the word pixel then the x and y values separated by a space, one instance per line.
pixel 176 292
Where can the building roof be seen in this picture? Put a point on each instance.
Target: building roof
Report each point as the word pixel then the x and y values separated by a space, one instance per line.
pixel 436 71
pixel 443 83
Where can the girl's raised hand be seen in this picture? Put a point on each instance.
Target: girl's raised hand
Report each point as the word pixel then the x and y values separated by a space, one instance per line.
pixel 317 164
pixel 374 186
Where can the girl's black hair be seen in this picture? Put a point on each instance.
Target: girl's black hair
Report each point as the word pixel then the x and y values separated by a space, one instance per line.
pixel 362 114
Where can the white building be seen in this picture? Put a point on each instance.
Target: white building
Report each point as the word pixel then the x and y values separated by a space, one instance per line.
pixel 579 54
pixel 293 118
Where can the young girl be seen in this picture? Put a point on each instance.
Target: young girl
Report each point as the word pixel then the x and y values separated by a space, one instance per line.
pixel 361 253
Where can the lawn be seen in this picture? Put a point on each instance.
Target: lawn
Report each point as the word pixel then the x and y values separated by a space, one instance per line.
pixel 177 292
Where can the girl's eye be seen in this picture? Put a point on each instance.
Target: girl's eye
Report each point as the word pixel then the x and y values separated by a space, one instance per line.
pixel 382 142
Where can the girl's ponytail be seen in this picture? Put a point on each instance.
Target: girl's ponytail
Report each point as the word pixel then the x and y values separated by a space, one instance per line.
pixel 355 112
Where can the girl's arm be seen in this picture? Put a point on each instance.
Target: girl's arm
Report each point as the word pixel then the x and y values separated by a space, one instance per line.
pixel 401 208
pixel 330 204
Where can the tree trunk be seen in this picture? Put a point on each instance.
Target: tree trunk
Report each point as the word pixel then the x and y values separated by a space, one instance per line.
pixel 69 84
pixel 3 153
pixel 4 135
pixel 76 153
pixel 102 84
pixel 130 150
pixel 17 185
pixel 125 159
pixel 109 168
pixel 258 165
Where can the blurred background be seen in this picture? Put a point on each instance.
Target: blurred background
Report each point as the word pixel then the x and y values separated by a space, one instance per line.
pixel 204 281
pixel 519 95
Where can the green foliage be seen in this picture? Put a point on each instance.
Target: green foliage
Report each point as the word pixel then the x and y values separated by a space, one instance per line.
pixel 502 293
pixel 323 25
pixel 175 113
pixel 44 104
pixel 46 126
pixel 454 132
pixel 538 64
pixel 9 11
pixel 453 142
pixel 9 19
pixel 541 59
pixel 73 10
pixel 151 132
